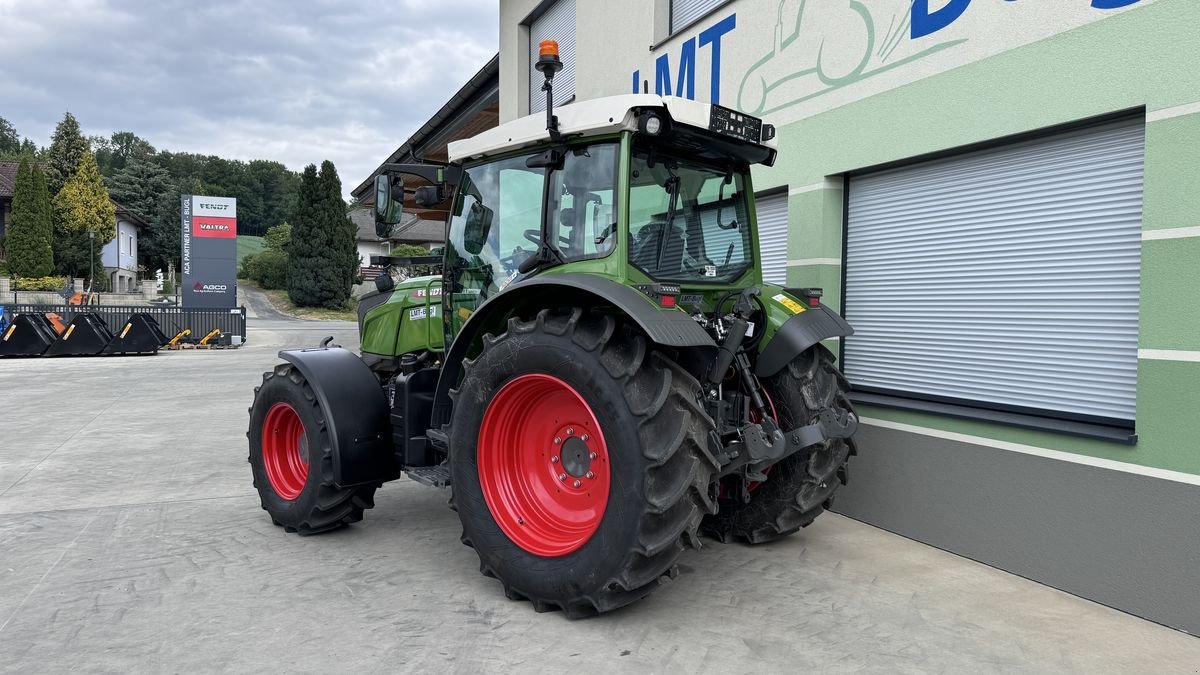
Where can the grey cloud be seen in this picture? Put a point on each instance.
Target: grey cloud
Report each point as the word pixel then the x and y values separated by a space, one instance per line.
pixel 293 81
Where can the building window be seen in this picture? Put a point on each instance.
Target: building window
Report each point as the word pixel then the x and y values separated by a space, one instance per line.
pixel 686 12
pixel 772 236
pixel 1004 279
pixel 556 23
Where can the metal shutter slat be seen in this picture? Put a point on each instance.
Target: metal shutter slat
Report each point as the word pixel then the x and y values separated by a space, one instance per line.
pixel 772 237
pixel 1007 276
pixel 556 23
pixel 684 12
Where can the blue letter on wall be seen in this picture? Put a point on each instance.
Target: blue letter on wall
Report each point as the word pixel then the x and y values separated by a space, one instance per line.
pixel 924 22
pixel 712 35
pixel 687 72
pixel 1112 4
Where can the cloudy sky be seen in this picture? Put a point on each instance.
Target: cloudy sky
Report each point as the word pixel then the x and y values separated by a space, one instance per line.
pixel 295 81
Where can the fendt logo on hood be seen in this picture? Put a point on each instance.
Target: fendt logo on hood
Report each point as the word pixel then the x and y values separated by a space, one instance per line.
pixel 209 288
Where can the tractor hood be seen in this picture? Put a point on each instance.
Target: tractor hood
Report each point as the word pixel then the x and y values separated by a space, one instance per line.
pixel 608 115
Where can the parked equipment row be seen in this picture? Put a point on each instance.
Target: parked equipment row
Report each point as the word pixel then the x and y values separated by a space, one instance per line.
pixel 86 335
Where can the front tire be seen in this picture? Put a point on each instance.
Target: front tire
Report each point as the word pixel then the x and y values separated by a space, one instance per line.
pixel 800 486
pixel 292 458
pixel 582 526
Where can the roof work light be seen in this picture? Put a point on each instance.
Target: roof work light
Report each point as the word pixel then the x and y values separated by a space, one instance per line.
pixel 548 63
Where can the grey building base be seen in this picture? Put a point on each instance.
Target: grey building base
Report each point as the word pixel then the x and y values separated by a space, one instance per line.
pixel 1125 540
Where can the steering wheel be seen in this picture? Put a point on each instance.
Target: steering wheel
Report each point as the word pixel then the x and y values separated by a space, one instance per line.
pixel 512 262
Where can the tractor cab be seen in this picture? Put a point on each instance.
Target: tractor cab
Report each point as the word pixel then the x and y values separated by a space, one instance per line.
pixel 645 189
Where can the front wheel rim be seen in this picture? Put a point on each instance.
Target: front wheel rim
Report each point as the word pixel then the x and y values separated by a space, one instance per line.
pixel 543 465
pixel 285 451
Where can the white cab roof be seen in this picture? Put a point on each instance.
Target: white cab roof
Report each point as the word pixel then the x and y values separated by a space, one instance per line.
pixel 592 117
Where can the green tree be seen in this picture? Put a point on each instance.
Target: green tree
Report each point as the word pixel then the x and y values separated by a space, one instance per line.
pixel 45 209
pixel 345 234
pixel 139 185
pixel 116 151
pixel 80 208
pixel 28 247
pixel 66 152
pixel 321 270
pixel 278 238
pixel 10 142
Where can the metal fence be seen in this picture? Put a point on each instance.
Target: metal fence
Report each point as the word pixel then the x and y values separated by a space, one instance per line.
pixel 171 319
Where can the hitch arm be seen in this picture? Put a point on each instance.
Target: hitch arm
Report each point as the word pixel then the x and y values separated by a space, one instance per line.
pixel 759 448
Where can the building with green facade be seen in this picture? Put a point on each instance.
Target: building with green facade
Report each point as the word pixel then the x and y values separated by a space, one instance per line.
pixel 1001 197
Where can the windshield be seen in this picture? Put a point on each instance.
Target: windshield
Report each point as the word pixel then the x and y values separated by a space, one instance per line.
pixel 688 220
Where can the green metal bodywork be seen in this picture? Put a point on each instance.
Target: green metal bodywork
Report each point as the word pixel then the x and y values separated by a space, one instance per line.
pixel 412 319
pixel 409 321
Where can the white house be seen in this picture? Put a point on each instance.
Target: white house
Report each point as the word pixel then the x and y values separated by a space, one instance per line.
pixel 120 256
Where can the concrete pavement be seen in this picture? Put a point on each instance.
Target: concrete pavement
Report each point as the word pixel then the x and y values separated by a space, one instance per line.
pixel 131 540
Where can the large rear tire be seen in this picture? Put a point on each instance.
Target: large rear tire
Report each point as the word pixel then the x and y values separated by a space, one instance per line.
pixel 801 486
pixel 292 458
pixel 584 526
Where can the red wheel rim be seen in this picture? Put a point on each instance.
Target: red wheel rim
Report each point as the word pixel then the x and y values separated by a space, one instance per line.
pixel 543 465
pixel 285 450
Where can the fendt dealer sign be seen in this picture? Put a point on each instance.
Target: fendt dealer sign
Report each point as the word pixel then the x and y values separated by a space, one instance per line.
pixel 209 240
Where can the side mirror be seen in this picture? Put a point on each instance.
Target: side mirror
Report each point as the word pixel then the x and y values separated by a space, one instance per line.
pixel 475 230
pixel 388 209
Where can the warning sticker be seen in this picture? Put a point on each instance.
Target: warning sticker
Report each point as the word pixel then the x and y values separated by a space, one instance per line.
pixel 791 304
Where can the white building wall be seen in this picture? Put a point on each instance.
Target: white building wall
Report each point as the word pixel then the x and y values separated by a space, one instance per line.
pixel 780 59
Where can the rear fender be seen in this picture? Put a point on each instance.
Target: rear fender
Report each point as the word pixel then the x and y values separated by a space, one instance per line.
pixel 667 327
pixel 356 414
pixel 803 327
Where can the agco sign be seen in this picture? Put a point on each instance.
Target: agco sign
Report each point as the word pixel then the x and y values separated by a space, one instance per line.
pixel 209 251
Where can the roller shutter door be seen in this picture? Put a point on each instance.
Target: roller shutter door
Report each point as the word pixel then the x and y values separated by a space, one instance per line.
pixel 556 23
pixel 1006 277
pixel 772 237
pixel 684 12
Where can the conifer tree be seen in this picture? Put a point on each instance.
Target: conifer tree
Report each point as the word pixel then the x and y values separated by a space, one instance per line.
pixel 65 153
pixel 322 236
pixel 28 247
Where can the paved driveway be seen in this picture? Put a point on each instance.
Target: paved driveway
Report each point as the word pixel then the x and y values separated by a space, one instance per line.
pixel 131 540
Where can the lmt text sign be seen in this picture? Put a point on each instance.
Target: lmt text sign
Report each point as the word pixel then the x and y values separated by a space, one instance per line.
pixel 209 241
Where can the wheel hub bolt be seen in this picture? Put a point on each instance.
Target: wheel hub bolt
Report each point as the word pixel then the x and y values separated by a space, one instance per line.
pixel 591 455
pixel 577 483
pixel 557 440
pixel 570 431
pixel 562 476
pixel 554 459
pixel 591 474
pixel 584 438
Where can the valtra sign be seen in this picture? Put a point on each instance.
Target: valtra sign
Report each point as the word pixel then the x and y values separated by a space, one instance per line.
pixel 209 241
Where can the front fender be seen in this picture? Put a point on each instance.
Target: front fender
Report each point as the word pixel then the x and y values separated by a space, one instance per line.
pixel 355 411
pixel 797 332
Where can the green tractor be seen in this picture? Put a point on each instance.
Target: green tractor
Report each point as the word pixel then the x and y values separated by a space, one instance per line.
pixel 598 372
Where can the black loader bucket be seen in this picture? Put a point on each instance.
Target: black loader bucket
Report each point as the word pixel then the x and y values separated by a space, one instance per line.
pixel 139 335
pixel 87 335
pixel 28 335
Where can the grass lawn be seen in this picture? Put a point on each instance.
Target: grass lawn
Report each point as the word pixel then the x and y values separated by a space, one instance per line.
pixel 247 245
